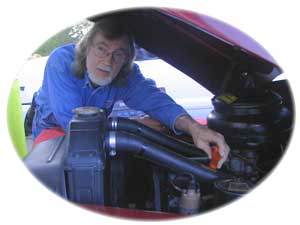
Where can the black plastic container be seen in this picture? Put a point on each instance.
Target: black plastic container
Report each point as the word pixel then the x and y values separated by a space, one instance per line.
pixel 231 189
pixel 252 121
pixel 85 161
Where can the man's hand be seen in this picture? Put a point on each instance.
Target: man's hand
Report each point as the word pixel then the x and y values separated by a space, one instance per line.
pixel 203 137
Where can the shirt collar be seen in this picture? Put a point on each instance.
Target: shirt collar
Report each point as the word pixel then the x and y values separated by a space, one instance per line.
pixel 87 82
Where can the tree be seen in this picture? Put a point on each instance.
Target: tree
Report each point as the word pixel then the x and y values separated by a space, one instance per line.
pixel 79 30
pixel 69 35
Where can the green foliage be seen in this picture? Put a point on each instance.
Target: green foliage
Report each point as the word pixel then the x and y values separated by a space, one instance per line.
pixel 57 40
pixel 69 35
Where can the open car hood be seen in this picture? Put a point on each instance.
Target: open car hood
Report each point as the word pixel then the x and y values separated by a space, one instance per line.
pixel 216 55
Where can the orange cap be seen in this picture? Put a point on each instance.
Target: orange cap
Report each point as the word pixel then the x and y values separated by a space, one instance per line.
pixel 215 158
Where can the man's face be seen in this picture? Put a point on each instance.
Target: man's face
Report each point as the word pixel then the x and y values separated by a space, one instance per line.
pixel 105 58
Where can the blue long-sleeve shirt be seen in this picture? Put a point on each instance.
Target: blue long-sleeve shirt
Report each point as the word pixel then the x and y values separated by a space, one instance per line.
pixel 62 91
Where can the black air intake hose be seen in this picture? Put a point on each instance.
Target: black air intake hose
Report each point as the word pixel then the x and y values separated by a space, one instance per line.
pixel 130 143
pixel 187 149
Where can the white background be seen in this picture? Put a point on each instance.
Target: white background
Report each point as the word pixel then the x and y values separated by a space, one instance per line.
pixel 27 24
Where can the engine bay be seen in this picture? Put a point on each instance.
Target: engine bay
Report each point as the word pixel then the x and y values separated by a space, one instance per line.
pixel 139 164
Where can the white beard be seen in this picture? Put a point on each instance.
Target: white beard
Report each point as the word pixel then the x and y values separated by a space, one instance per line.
pixel 100 81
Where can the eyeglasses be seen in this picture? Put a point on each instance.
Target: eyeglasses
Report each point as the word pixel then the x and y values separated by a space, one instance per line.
pixel 119 56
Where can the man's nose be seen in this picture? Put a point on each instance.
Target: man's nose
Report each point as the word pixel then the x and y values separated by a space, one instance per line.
pixel 108 58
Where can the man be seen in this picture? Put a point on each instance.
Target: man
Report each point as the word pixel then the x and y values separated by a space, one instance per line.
pixel 98 71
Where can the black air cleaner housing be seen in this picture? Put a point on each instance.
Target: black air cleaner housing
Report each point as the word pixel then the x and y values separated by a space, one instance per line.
pixel 252 120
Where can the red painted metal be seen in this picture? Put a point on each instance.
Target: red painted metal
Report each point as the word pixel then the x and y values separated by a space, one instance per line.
pixel 201 120
pixel 48 134
pixel 132 213
pixel 222 31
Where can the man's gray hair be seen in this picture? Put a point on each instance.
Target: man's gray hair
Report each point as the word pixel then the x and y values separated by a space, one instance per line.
pixel 111 28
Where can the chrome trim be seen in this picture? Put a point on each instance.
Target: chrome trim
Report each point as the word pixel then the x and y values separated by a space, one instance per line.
pixel 114 123
pixel 112 143
pixel 55 150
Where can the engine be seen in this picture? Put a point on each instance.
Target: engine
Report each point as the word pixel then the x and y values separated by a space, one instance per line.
pixel 122 163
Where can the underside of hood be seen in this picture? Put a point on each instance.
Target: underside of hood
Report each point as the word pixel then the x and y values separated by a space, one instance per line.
pixel 216 55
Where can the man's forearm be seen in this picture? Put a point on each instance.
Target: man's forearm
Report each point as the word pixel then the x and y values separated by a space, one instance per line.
pixel 185 123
